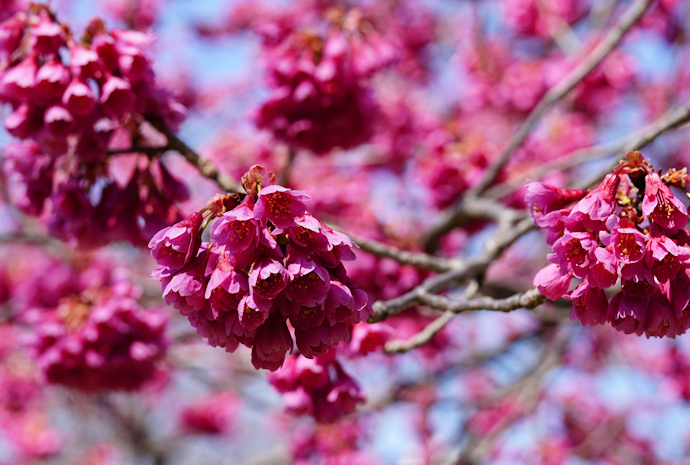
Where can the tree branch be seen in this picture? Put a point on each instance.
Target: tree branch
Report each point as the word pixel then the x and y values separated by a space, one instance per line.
pixel 562 88
pixel 206 167
pixel 417 259
pixel 450 218
pixel 530 299
pixel 501 240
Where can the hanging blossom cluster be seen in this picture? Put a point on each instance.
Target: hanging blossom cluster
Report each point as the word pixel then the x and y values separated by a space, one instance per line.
pixel 320 98
pixel 70 101
pixel 318 387
pixel 627 231
pixel 268 261
pixel 95 336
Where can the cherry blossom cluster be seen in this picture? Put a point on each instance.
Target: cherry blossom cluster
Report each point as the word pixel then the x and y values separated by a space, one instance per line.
pixel 319 387
pixel 268 261
pixel 320 98
pixel 627 231
pixel 111 343
pixel 88 331
pixel 71 102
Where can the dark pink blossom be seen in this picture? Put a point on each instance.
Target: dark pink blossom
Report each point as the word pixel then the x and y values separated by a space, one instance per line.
pixel 663 257
pixel 237 230
pixel 280 205
pixel 590 305
pixel 273 341
pixel 186 289
pixel 267 278
pixel 661 206
pixel 605 271
pixel 309 282
pixel 79 98
pixel 543 199
pixel 553 281
pixel 175 246
pixel 574 251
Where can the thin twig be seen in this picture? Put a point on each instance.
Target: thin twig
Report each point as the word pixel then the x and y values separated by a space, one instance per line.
pixel 141 149
pixel 477 446
pixel 493 248
pixel 529 299
pixel 417 259
pixel 450 218
pixel 206 167
pixel 562 88
pixel 424 336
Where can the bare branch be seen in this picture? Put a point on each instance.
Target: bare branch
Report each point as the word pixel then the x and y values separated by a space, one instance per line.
pixel 529 299
pixel 417 259
pixel 141 149
pixel 501 240
pixel 206 167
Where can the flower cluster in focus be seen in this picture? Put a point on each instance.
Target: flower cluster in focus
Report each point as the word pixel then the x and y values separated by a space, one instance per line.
pixel 268 262
pixel 626 231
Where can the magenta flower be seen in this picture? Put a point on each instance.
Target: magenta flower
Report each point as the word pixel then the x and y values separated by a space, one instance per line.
pixel 661 320
pixel 116 97
pixel 370 337
pixel 344 305
pixel 85 63
pixel 662 258
pixel 627 313
pixel 542 199
pixel 598 205
pixel 273 341
pixel 79 98
pixel 341 400
pixel 253 311
pixel 309 282
pixel 553 281
pixel 267 278
pixel 575 252
pixel 186 289
pixel 215 414
pixel 638 281
pixel 280 205
pixel 115 345
pixel 47 37
pixel 604 273
pixel 318 387
pixel 628 244
pixel 58 120
pixel 318 340
pixel 661 206
pixel 52 79
pixel 306 315
pixel 307 235
pixel 590 305
pixel 17 82
pixel 226 287
pixel 175 246
pixel 236 230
